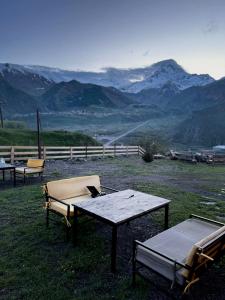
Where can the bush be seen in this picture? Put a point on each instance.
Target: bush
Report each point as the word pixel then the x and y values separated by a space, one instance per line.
pixel 148 156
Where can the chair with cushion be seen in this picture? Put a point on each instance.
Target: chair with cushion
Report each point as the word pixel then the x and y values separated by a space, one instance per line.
pixel 61 194
pixel 181 253
pixel 33 167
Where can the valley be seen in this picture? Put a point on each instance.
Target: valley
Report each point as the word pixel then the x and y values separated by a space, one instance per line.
pixel 161 101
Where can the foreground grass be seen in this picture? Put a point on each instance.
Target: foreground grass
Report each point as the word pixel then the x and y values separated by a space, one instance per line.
pixel 36 263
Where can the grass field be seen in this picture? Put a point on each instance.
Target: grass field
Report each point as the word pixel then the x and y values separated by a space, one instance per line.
pixel 25 137
pixel 36 263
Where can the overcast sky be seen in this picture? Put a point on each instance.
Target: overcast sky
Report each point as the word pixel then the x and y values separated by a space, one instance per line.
pixel 92 34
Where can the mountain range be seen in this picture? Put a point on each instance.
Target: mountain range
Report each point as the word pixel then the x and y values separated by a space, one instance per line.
pixel 127 80
pixel 198 98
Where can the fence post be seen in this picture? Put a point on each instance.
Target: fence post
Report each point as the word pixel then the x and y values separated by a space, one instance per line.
pixel 71 152
pixel 114 150
pixel 103 151
pixel 12 156
pixel 138 150
pixel 86 154
pixel 127 151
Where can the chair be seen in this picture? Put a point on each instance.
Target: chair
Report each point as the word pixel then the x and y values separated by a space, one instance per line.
pixel 181 253
pixel 61 194
pixel 33 167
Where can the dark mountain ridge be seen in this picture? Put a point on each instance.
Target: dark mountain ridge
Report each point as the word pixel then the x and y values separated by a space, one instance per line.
pixel 73 94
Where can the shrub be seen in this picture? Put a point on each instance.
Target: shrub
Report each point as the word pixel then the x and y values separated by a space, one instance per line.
pixel 148 156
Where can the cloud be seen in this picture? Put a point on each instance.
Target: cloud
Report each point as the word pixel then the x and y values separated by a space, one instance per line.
pixel 210 27
pixel 146 53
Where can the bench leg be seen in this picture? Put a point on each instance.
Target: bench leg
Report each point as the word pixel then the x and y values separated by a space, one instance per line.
pixel 47 217
pixel 67 233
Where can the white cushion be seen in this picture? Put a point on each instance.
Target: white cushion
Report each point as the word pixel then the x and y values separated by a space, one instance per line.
pixel 29 170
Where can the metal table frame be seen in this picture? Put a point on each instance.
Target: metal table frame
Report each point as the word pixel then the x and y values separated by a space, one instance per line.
pixel 115 226
pixel 5 167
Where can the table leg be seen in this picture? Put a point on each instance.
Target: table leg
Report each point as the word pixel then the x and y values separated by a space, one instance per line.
pixel 166 226
pixel 3 175
pixel 75 226
pixel 14 177
pixel 113 250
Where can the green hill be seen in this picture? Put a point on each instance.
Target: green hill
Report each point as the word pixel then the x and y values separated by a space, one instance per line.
pixel 48 138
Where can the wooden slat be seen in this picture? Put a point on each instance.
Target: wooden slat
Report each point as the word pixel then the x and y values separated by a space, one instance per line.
pixel 55 147
pixel 94 147
pixel 26 153
pixel 25 147
pixel 57 152
pixel 5 147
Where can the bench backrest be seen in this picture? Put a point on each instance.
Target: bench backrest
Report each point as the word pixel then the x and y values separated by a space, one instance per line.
pixel 72 187
pixel 35 163
pixel 213 245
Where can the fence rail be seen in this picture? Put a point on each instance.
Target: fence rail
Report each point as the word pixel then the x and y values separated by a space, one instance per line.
pixel 22 153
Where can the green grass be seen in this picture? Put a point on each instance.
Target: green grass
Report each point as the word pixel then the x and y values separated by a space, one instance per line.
pixel 49 138
pixel 36 263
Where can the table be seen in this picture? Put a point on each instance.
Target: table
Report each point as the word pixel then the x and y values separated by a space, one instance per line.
pixel 119 208
pixel 4 167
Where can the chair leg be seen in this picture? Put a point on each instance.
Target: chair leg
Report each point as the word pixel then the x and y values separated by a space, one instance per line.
pixel 67 233
pixel 24 178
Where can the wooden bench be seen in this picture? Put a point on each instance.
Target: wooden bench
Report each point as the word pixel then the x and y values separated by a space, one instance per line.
pixel 181 253
pixel 62 194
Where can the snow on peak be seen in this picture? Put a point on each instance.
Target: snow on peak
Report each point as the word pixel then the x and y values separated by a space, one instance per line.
pixel 130 80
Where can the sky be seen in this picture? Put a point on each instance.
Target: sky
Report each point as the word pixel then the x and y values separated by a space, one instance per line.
pixel 93 34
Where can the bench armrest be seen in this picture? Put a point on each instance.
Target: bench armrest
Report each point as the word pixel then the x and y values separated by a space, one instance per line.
pixel 57 200
pixel 206 220
pixel 108 188
pixel 137 243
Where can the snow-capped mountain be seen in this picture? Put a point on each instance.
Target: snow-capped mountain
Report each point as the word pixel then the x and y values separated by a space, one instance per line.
pixel 128 80
pixel 19 78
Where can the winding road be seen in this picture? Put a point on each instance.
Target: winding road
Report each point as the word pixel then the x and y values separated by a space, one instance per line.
pixel 113 140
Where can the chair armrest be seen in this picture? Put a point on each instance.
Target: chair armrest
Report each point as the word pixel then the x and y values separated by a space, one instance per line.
pixel 206 220
pixel 57 200
pixel 108 188
pixel 137 243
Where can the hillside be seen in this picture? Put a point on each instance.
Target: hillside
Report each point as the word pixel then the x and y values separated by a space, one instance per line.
pixel 197 98
pixel 66 96
pixel 24 80
pixel 156 96
pixel 205 127
pixel 14 100
pixel 48 138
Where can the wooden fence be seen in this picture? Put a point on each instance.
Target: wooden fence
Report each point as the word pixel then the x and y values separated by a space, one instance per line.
pixel 22 153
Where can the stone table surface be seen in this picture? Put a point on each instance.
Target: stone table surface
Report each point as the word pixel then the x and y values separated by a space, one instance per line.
pixel 121 206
